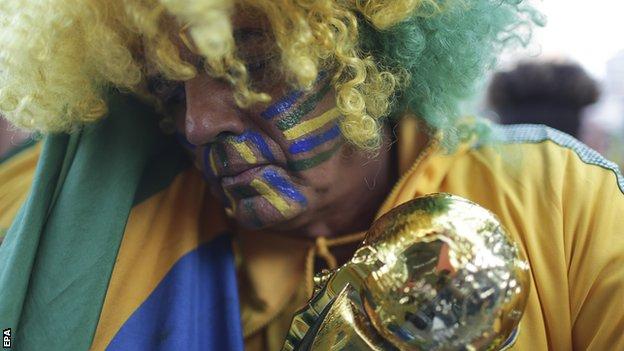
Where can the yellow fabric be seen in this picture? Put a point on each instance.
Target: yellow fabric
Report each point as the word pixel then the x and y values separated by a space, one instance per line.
pixel 160 231
pixel 16 176
pixel 565 214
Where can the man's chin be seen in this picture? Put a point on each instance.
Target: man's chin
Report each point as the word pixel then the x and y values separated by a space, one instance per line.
pixel 256 213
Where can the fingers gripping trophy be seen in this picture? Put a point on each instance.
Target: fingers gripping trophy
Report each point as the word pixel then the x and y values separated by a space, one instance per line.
pixel 436 273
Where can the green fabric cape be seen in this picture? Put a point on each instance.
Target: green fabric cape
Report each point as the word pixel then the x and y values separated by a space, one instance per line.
pixel 57 257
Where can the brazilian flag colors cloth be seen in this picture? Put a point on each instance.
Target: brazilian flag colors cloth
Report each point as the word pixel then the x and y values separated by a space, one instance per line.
pixel 58 256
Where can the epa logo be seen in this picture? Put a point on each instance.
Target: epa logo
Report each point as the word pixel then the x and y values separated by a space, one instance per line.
pixel 6 338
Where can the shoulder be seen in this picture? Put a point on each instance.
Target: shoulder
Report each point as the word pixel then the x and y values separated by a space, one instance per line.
pixel 542 158
pixel 547 187
pixel 550 144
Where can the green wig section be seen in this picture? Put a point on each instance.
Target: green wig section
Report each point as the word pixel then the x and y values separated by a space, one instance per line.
pixel 445 50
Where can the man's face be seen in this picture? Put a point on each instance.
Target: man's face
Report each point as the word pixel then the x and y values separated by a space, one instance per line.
pixel 283 164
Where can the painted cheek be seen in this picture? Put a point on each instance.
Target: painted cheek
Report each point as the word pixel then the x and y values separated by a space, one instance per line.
pixel 303 109
pixel 258 142
pixel 282 105
pixel 211 171
pixel 306 135
pixel 244 151
pixel 274 189
pixel 272 197
pixel 284 187
pixel 314 141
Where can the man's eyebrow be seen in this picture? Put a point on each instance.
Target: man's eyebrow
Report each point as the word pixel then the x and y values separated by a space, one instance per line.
pixel 248 33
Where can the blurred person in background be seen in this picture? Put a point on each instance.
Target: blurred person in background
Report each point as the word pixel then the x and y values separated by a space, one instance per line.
pixel 550 93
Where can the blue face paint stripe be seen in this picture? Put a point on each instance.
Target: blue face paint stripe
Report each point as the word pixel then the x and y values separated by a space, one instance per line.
pixel 259 143
pixel 287 103
pixel 282 105
pixel 310 143
pixel 284 187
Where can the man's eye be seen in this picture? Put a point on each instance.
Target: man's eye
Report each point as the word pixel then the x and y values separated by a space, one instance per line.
pixel 263 71
pixel 168 92
pixel 257 63
pixel 256 66
pixel 176 96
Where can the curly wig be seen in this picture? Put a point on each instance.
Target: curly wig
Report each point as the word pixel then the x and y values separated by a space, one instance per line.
pixel 59 58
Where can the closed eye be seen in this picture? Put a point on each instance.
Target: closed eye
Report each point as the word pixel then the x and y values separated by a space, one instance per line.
pixel 166 91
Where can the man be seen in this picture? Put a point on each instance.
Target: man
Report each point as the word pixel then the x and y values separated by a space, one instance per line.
pixel 550 93
pixel 290 111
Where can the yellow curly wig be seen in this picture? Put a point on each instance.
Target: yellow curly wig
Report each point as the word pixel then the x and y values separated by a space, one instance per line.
pixel 59 57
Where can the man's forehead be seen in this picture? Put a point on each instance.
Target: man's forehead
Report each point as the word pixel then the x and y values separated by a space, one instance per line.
pixel 248 18
pixel 250 30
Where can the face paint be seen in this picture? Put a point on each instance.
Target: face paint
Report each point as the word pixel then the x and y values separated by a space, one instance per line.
pixel 286 137
pixel 287 102
pixel 284 187
pixel 231 208
pixel 258 142
pixel 307 163
pixel 242 192
pixel 311 125
pixel 244 151
pixel 306 107
pixel 281 106
pixel 307 144
pixel 272 197
pixel 213 164
pixel 210 167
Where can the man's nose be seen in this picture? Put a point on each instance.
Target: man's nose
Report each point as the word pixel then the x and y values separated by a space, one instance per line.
pixel 210 110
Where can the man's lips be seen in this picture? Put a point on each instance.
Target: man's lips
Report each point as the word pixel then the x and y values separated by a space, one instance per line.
pixel 245 175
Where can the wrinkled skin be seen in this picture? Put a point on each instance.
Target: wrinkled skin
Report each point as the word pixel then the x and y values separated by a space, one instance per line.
pixel 338 194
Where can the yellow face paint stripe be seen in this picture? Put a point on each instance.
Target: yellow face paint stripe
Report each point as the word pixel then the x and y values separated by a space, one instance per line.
pixel 213 164
pixel 311 125
pixel 271 196
pixel 231 200
pixel 244 151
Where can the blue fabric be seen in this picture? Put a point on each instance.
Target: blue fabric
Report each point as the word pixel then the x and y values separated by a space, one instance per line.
pixel 195 306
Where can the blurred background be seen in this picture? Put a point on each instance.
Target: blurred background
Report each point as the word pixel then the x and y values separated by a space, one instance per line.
pixel 570 77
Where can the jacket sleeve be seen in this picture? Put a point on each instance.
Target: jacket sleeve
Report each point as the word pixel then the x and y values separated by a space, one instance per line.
pixel 593 219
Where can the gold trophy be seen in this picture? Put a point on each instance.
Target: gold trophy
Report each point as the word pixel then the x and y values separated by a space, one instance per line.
pixel 436 273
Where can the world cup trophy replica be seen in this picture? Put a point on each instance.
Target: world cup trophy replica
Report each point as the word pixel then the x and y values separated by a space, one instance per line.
pixel 436 273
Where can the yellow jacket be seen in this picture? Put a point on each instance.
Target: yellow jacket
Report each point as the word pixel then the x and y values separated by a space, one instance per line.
pixel 561 202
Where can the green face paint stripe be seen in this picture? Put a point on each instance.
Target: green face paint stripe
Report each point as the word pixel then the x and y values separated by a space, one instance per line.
pixel 255 220
pixel 222 155
pixel 303 109
pixel 302 165
pixel 243 192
